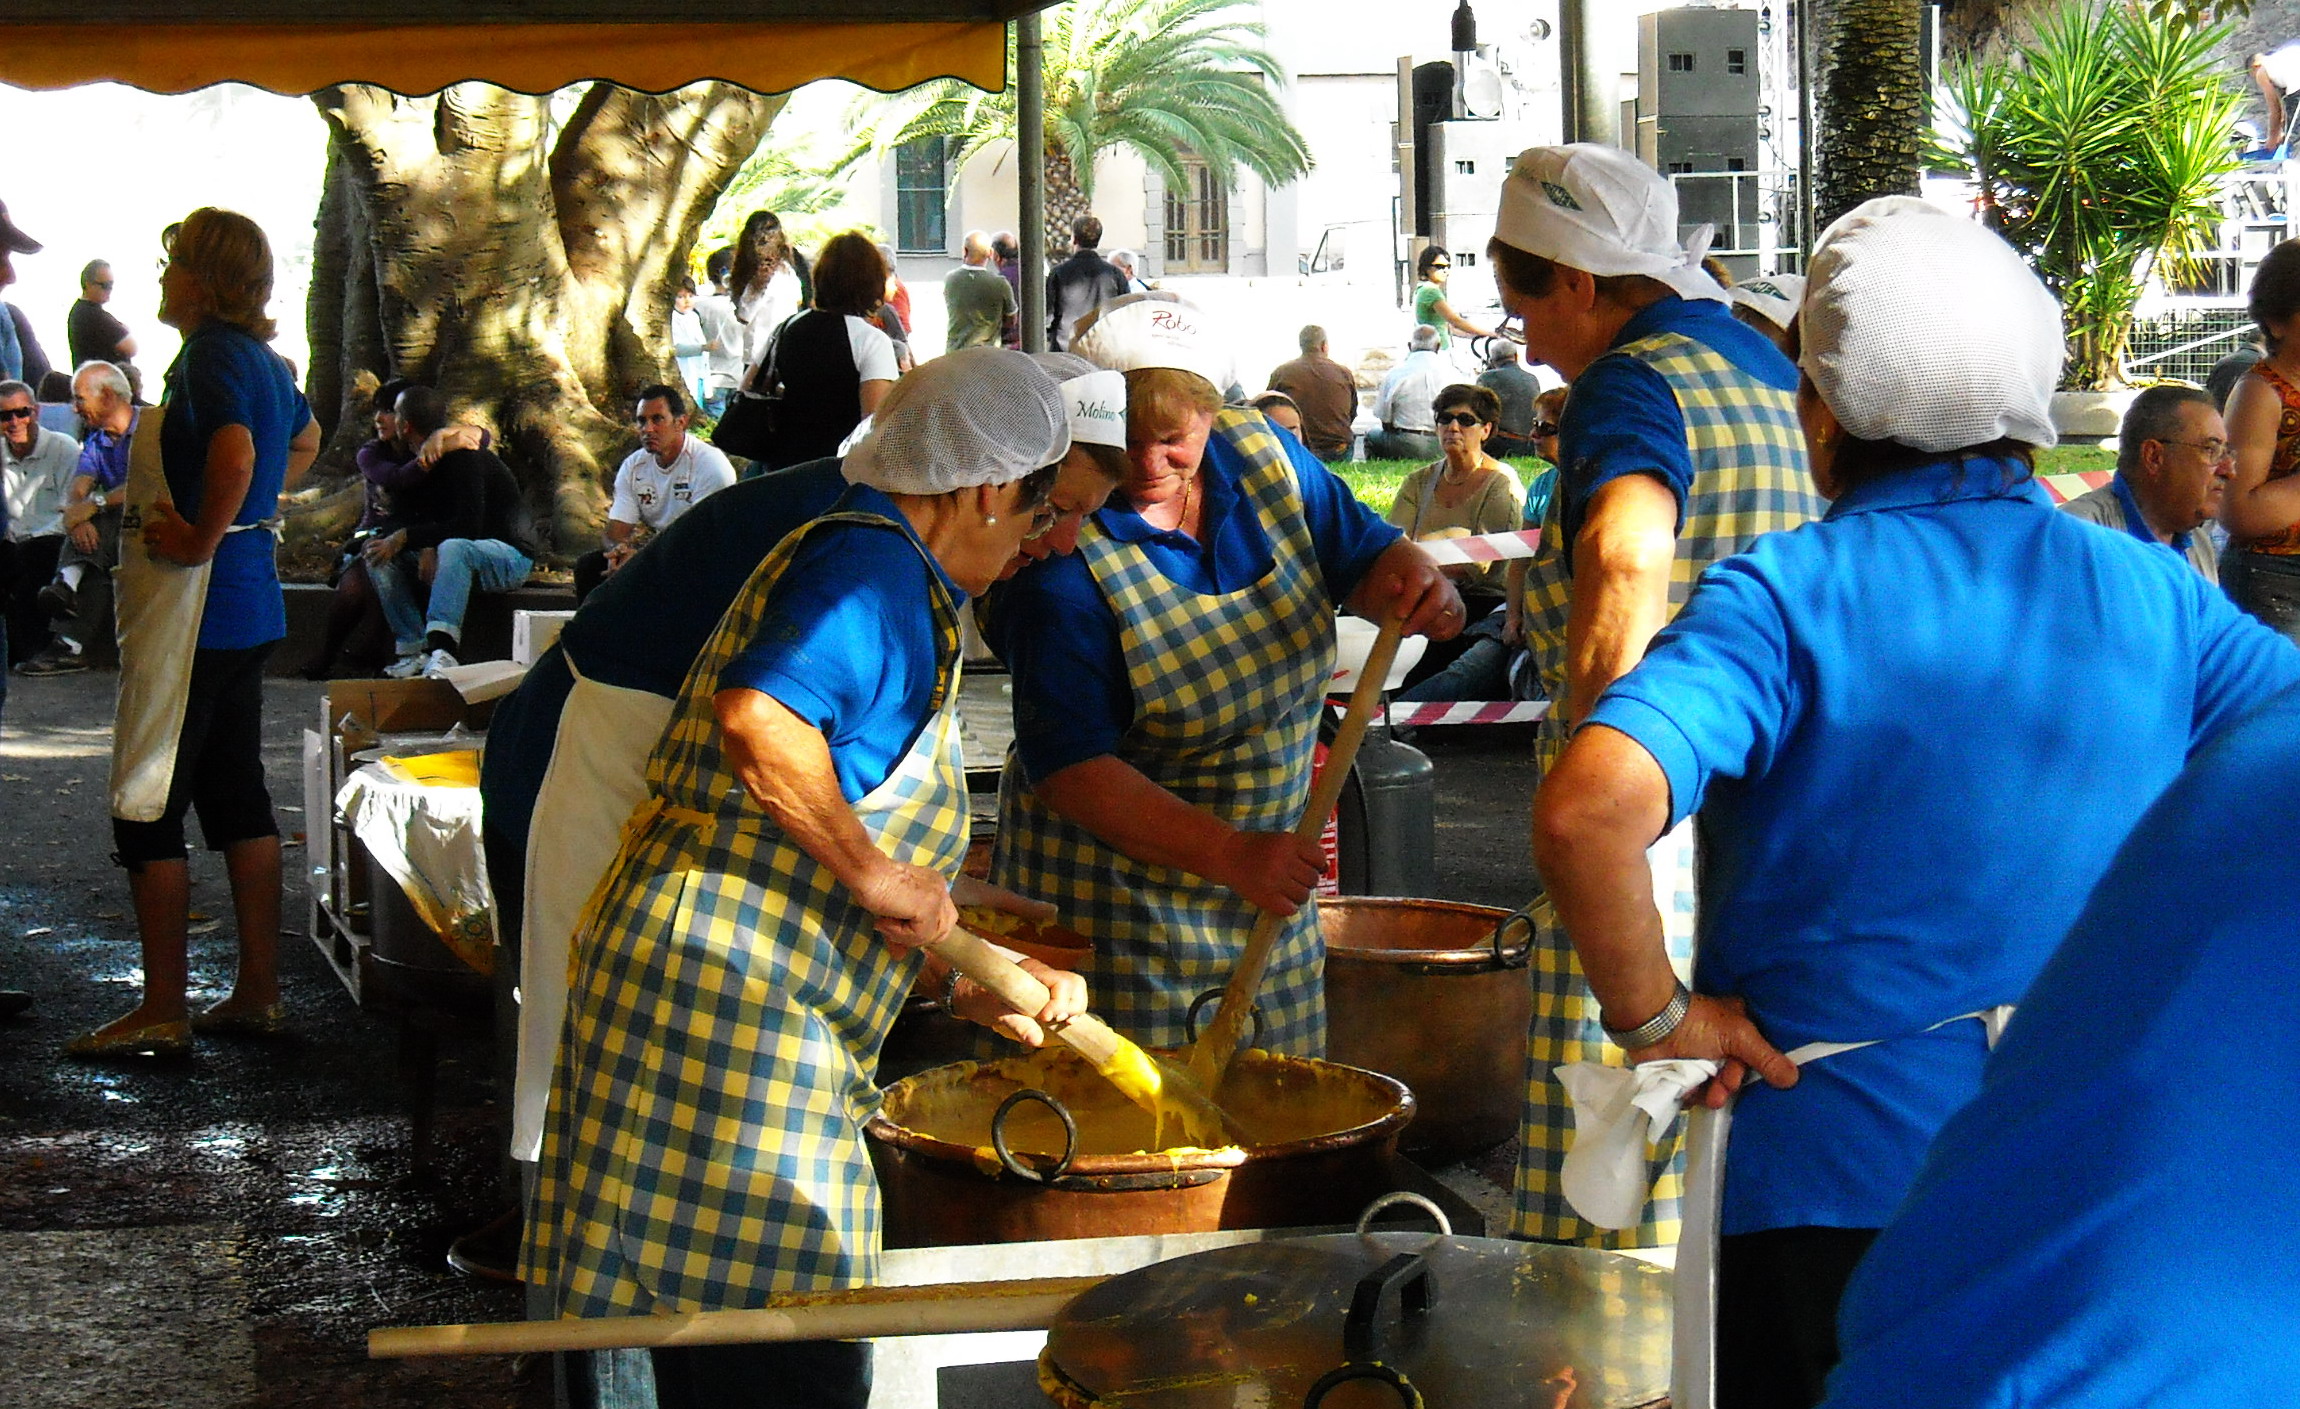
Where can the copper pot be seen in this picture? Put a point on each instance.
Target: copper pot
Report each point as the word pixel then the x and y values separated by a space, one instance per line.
pixel 1325 1138
pixel 1432 992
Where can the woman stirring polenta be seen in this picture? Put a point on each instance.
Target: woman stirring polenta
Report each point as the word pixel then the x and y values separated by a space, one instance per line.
pixel 752 943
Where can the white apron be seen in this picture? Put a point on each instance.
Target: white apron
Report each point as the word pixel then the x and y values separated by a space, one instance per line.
pixel 157 606
pixel 596 779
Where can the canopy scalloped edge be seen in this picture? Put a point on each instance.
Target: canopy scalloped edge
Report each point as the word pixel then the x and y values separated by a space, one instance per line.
pixel 529 58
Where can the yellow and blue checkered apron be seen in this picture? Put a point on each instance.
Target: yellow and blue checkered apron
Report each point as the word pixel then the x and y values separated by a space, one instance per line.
pixel 1227 689
pixel 1749 478
pixel 726 1006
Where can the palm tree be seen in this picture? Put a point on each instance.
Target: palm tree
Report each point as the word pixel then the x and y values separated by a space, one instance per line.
pixel 2098 150
pixel 1870 108
pixel 1171 80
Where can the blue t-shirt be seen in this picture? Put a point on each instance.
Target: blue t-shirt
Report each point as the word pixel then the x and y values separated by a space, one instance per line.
pixel 1916 731
pixel 2108 1224
pixel 1072 698
pixel 104 456
pixel 848 642
pixel 1623 419
pixel 648 621
pixel 225 377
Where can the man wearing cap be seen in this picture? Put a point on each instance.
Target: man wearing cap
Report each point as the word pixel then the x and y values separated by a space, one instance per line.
pixel 1167 687
pixel 21 359
pixel 2172 466
pixel 1678 447
pixel 1871 714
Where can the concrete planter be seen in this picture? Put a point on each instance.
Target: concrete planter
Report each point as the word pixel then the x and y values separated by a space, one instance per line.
pixel 2090 417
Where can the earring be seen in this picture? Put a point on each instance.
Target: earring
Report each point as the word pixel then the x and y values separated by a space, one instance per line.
pixel 990 518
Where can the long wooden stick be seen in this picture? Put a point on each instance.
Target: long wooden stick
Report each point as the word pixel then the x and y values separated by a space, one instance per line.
pixel 1219 1042
pixel 949 1308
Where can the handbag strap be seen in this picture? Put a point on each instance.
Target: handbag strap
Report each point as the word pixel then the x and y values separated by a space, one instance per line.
pixel 767 367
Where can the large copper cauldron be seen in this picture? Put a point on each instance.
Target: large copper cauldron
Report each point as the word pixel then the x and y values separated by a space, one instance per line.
pixel 1322 1140
pixel 1433 993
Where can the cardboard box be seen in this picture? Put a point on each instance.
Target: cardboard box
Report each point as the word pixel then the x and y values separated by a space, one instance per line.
pixel 533 633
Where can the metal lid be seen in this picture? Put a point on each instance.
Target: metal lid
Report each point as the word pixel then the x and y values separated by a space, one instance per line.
pixel 1456 1321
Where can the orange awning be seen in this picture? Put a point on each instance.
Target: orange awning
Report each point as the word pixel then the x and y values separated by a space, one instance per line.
pixel 529 58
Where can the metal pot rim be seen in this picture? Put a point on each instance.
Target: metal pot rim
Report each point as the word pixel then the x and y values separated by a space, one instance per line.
pixel 1466 959
pixel 1391 1121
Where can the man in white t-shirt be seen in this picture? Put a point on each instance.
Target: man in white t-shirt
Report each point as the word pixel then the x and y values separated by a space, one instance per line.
pixel 667 475
pixel 2277 72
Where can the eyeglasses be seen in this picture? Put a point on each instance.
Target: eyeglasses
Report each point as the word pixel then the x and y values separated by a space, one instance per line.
pixel 17 413
pixel 1042 521
pixel 1463 419
pixel 1544 428
pixel 100 283
pixel 2214 450
pixel 1511 329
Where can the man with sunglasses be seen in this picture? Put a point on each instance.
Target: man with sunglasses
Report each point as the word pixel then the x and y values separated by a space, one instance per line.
pixel 2172 467
pixel 38 465
pixel 90 330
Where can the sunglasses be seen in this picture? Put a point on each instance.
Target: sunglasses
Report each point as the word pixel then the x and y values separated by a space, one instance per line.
pixel 100 283
pixel 1463 419
pixel 18 413
pixel 1544 428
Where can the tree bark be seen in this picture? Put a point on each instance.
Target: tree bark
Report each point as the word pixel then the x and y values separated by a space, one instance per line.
pixel 1066 199
pixel 1870 107
pixel 528 277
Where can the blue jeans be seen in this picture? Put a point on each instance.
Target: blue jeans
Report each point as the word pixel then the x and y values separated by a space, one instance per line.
pixel 465 564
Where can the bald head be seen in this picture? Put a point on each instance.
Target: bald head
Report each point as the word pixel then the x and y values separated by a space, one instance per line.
pixel 976 249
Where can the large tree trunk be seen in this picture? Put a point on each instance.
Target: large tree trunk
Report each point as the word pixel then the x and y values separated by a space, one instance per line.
pixel 528 276
pixel 1870 107
pixel 1067 200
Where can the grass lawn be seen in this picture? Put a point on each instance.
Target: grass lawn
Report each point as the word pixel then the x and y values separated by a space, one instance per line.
pixel 1376 481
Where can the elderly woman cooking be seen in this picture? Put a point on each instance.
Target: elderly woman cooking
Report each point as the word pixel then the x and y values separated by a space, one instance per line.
pixel 1871 714
pixel 1167 680
pixel 749 948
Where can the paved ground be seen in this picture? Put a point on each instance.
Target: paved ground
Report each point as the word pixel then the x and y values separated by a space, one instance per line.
pixel 222 1231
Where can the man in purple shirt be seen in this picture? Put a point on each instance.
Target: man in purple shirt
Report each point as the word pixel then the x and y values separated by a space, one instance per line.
pixel 80 597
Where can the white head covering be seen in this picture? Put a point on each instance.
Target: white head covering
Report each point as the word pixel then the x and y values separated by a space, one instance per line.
pixel 1921 327
pixel 984 415
pixel 1155 329
pixel 1602 211
pixel 1094 399
pixel 1772 297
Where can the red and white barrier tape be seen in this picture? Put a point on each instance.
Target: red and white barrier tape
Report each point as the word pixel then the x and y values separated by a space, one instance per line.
pixel 1483 548
pixel 1467 712
pixel 2063 488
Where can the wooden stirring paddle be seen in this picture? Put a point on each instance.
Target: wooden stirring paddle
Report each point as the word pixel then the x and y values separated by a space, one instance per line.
pixel 1160 1088
pixel 1210 1057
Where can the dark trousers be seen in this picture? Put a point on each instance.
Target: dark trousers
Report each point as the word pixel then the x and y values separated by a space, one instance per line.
pixel 1777 1295
pixel 793 1375
pixel 2267 585
pixel 219 763
pixel 32 566
pixel 92 620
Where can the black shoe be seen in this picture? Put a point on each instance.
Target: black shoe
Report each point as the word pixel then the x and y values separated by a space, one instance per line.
pixel 59 600
pixel 54 661
pixel 13 1002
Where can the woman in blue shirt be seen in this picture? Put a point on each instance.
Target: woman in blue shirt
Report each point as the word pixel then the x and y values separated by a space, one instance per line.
pixel 234 435
pixel 1914 732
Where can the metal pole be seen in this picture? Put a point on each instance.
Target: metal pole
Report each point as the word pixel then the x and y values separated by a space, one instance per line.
pixel 1030 143
pixel 1587 75
pixel 1805 231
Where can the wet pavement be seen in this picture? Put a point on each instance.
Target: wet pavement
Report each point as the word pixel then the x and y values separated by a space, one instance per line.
pixel 222 1231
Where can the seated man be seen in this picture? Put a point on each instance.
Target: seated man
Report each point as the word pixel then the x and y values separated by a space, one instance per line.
pixel 81 596
pixel 2172 465
pixel 1505 376
pixel 463 525
pixel 664 478
pixel 37 464
pixel 1326 393
pixel 1409 426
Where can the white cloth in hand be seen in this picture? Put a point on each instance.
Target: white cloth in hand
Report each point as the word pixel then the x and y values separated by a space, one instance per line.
pixel 1618 1112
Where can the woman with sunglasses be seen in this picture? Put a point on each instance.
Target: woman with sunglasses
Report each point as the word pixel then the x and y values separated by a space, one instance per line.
pixel 1468 492
pixel 1430 307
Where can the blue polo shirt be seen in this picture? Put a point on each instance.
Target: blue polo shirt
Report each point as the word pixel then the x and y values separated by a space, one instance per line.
pixel 848 642
pixel 2109 1222
pixel 1623 418
pixel 642 629
pixel 1916 731
pixel 225 377
pixel 1060 639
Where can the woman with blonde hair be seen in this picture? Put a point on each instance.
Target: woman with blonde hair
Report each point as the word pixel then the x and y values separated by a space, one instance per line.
pixel 200 610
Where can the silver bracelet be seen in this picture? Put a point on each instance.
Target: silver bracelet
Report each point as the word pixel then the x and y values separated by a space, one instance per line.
pixel 1655 1029
pixel 950 992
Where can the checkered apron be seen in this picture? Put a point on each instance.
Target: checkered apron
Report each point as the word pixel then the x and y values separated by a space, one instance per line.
pixel 1749 478
pixel 726 1005
pixel 1227 689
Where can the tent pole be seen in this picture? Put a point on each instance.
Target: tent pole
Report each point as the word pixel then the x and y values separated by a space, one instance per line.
pixel 1030 138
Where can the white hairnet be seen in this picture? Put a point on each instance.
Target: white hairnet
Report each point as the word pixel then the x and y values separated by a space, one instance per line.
pixel 1600 210
pixel 1155 329
pixel 1921 327
pixel 1094 399
pixel 1772 297
pixel 984 415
